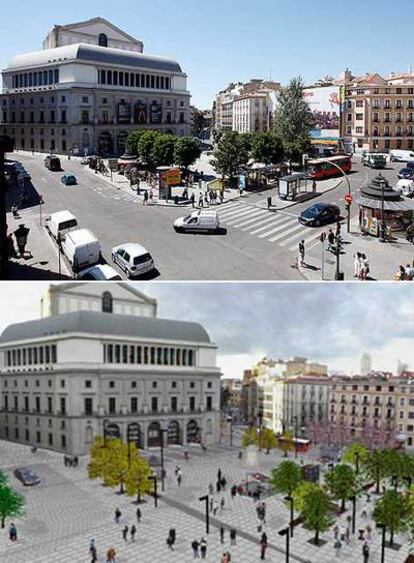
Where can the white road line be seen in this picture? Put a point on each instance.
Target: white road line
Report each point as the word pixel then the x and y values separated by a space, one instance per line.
pixel 243 216
pixel 284 233
pixel 281 225
pixel 234 211
pixel 270 219
pixel 229 207
pixel 250 220
pixel 308 240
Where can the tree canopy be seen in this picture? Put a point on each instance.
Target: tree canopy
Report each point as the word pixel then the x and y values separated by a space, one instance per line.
pixel 341 481
pixel 286 477
pixel 250 437
pixel 392 510
pixel 316 511
pixel 137 480
pixel 287 444
pixel 354 450
pixel 267 440
pixel 231 153
pixel 186 151
pixel 11 503
pixel 267 148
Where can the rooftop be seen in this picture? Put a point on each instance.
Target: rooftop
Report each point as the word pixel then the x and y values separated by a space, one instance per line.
pixel 108 324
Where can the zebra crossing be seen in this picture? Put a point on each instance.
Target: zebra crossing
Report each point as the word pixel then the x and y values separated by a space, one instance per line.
pixel 281 228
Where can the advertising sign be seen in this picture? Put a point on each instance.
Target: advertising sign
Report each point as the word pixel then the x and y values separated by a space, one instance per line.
pixel 172 177
pixel 124 112
pixel 140 113
pixel 242 182
pixel 324 103
pixel 155 113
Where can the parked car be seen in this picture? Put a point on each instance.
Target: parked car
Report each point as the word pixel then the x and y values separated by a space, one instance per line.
pixel 402 155
pixel 200 220
pixel 405 187
pixel 27 476
pixel 81 248
pixel 406 173
pixel 100 272
pixel 133 259
pixel 61 223
pixel 374 160
pixel 85 160
pixel 319 214
pixel 53 162
pixel 68 179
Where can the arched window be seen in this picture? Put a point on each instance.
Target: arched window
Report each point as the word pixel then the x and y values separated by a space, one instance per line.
pixel 107 305
pixel 103 40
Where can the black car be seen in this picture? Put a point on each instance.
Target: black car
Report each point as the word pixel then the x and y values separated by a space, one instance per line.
pixel 319 214
pixel 27 476
pixel 406 173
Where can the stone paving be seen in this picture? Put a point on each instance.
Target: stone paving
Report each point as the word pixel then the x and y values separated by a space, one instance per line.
pixel 67 510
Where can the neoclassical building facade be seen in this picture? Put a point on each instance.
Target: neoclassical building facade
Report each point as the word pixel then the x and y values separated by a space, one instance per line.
pixel 88 88
pixel 91 370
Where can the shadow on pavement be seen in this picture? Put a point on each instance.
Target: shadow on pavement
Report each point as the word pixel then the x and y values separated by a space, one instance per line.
pixel 21 271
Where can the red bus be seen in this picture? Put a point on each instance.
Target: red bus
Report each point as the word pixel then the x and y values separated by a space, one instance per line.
pixel 299 444
pixel 322 168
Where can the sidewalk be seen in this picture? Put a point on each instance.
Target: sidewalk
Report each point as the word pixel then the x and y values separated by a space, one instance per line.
pixel 322 188
pixel 42 259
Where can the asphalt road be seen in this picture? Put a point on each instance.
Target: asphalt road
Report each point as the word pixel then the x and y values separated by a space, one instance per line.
pixel 115 217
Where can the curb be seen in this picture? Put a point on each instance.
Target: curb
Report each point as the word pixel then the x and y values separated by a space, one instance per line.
pixel 291 204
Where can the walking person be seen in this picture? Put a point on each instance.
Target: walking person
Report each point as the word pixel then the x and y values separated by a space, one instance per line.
pixel 337 547
pixel 192 199
pixel 233 535
pixel 222 504
pixel 263 546
pixel 195 546
pixel 151 195
pixel 203 548
pixel 369 532
pixel 125 533
pixel 347 535
pixel 331 240
pixel 110 555
pixel 221 533
pixel 139 515
pixel 357 264
pixel 145 200
pixel 215 507
pixel 365 552
pixel 200 200
pixel 12 532
pixel 133 532
pixel 94 554
pixel 118 515
pixel 302 252
pixel 364 267
pixel 170 542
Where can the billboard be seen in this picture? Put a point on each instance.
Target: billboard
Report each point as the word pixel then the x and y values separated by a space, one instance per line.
pixel 325 104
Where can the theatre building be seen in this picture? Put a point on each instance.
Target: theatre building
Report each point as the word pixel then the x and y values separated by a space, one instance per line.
pixel 87 89
pixel 100 359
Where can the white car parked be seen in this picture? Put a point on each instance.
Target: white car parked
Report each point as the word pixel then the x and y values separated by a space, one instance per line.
pixel 405 187
pixel 100 272
pixel 133 259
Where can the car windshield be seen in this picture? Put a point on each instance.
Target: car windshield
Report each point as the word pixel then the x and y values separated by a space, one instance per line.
pixel 313 211
pixel 187 218
pixel 142 258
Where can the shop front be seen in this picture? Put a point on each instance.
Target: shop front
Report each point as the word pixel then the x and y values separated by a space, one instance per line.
pixel 382 210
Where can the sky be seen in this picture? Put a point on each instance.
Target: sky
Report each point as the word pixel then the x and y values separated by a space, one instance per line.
pixel 221 41
pixel 330 323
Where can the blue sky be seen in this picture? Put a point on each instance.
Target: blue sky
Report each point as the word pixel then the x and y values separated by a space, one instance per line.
pixel 328 322
pixel 219 41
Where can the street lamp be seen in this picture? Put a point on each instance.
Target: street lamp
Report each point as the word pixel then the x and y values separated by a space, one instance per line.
pixel 356 463
pixel 6 145
pixel 154 478
pixel 290 499
pixel 230 419
pixel 353 513
pixel 162 431
pixel 105 420
pixel 295 418
pixel 260 417
pixel 205 500
pixel 383 227
pixel 383 528
pixel 285 532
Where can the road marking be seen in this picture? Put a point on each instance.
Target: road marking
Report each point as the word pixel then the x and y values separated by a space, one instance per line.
pixel 308 240
pixel 284 233
pixel 281 225
pixel 233 211
pixel 243 215
pixel 268 220
pixel 257 215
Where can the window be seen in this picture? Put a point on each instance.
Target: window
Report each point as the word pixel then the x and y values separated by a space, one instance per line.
pixel 174 384
pixel 192 384
pixel 63 405
pixel 154 384
pixel 192 404
pixel 133 384
pixel 134 404
pixel 359 116
pixel 49 404
pixel 173 404
pixel 209 403
pixel 112 405
pixel 88 383
pixel 88 406
pixel 37 402
pixel 63 441
pixel 102 40
pixel 154 404
pixel 111 384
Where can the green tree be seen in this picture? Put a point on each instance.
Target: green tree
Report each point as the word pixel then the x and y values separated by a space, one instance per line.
pixel 3 479
pixel 163 151
pixel 300 493
pixel 146 151
pixel 230 155
pixel 250 437
pixel 133 139
pixel 286 477
pixel 137 480
pixel 316 511
pixel 287 444
pixel 11 504
pixel 267 148
pixel 268 440
pixel 342 482
pixel 293 120
pixel 375 467
pixel 109 461
pixel 350 456
pixel 392 510
pixel 186 152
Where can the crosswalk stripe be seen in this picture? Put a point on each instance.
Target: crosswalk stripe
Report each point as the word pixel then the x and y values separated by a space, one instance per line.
pixel 308 240
pixel 264 222
pixel 233 211
pixel 284 233
pixel 238 215
pixel 250 220
pixel 229 206
pixel 282 224
pixel 243 216
pixel 297 236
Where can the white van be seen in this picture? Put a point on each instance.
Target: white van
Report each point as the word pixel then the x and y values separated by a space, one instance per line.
pixel 61 223
pixel 401 155
pixel 405 187
pixel 81 248
pixel 201 220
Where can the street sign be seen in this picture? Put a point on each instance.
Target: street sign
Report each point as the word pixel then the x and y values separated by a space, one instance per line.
pixel 348 199
pixel 322 238
pixel 172 177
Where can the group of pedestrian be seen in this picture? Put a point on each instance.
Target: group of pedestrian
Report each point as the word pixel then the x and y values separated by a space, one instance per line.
pixel 199 548
pixel 69 461
pixel 405 273
pixel 131 531
pixel 361 266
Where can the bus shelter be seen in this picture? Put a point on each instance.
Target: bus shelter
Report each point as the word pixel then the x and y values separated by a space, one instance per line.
pixel 292 186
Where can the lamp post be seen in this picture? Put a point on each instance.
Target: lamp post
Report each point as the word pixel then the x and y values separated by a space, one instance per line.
pixel 353 513
pixel 295 418
pixel 383 227
pixel 154 478
pixel 105 420
pixel 230 420
pixel 162 431
pixel 6 145
pixel 381 526
pixel 285 532
pixel 356 463
pixel 260 417
pixel 290 499
pixel 205 500
pixel 338 273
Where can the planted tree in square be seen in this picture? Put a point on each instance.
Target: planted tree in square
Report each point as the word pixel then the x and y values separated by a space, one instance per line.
pixel 186 152
pixel 299 494
pixel 230 155
pixel 375 467
pixel 11 503
pixel 342 483
pixel 267 148
pixel 316 511
pixel 267 440
pixel 392 510
pixel 163 150
pixel 286 477
pixel 250 437
pixel 137 479
pixel 133 139
pixel 353 452
pixel 286 443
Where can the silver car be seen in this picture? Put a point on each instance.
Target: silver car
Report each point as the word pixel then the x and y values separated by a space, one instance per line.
pixel 133 258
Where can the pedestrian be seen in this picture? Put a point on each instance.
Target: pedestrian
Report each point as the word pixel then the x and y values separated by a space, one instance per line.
pixel 222 504
pixel 233 491
pixel 240 455
pixel 110 555
pixel 195 545
pixel 302 252
pixel 347 535
pixel 225 558
pixel 125 533
pixel 314 186
pixel 368 497
pixel 94 555
pixel 215 507
pixel 139 515
pixel 12 532
pixel 170 542
pixel 338 230
pixel 221 533
pixel 223 483
pixel 192 199
pixel 145 200
pixel 218 486
pixel 331 240
pixel 118 515
pixel 211 504
pixel 337 546
pixel 409 272
pixel 172 533
pixel 151 195
pixel 133 532
pixel 210 489
pixel 336 531
pixel 364 268
pixel 200 200
pixel 263 547
pixel 343 534
pixel 219 474
pixel 364 514
pixel 203 548
pixel 369 532
pixel 233 535
pixel 365 552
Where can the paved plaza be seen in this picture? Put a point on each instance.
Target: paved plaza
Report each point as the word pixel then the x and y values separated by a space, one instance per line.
pixel 67 510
